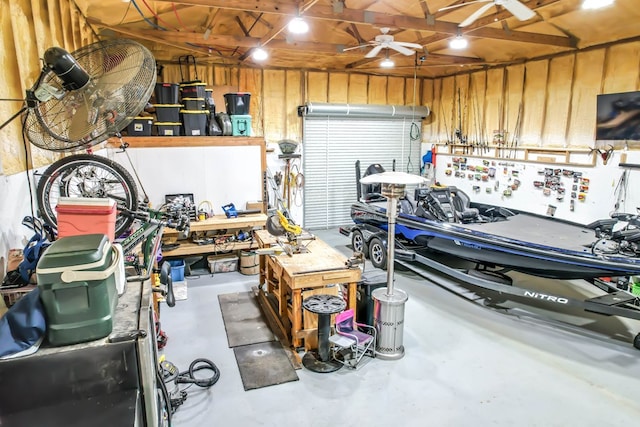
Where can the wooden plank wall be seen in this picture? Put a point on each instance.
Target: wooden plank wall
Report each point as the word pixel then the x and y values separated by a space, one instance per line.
pixel 27 29
pixel 544 103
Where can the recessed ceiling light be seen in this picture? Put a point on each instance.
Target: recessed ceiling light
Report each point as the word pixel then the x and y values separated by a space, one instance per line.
pixel 259 54
pixel 596 4
pixel 458 43
pixel 298 26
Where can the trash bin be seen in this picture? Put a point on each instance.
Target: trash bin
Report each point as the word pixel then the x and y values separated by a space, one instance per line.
pixel 368 283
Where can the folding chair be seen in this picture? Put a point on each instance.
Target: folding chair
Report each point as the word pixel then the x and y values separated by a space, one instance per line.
pixel 350 344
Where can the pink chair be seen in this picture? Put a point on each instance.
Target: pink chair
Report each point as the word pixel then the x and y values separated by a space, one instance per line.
pixel 350 344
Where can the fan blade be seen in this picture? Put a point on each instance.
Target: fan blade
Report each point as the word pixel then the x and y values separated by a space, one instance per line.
pixel 357 47
pixel 373 52
pixel 80 121
pixel 409 44
pixel 518 10
pixel 475 15
pixel 462 4
pixel 403 50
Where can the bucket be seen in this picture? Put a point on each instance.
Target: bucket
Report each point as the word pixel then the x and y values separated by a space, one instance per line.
pixel 249 263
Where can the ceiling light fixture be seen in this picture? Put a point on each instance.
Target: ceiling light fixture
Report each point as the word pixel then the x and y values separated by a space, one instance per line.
pixel 386 62
pixel 259 54
pixel 458 43
pixel 596 4
pixel 298 26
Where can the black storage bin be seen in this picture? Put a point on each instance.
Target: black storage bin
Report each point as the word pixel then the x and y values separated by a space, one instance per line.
pixel 195 122
pixel 193 90
pixel 237 104
pixel 167 129
pixel 193 103
pixel 168 112
pixel 166 93
pixel 366 286
pixel 140 126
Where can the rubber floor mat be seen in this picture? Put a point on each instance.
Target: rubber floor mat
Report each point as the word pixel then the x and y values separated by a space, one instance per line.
pixel 264 364
pixel 243 319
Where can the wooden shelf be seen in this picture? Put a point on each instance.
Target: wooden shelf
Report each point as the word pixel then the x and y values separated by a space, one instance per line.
pixel 186 249
pixel 557 156
pixel 186 141
pixel 221 222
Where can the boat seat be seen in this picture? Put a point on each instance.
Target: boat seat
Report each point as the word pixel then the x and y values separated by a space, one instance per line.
pixel 372 192
pixel 462 205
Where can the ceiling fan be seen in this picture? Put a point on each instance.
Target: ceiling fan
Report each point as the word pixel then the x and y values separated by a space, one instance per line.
pixel 386 41
pixel 518 10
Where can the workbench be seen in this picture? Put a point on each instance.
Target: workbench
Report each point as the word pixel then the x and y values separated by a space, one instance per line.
pixel 217 223
pixel 286 277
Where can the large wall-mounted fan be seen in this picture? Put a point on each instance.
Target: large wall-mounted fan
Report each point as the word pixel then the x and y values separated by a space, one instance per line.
pixel 518 10
pixel 82 98
pixel 386 41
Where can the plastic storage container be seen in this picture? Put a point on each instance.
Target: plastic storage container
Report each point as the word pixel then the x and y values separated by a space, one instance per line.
pixel 193 103
pixel 140 126
pixel 76 278
pixel 237 103
pixel 79 216
pixel 195 122
pixel 166 93
pixel 193 90
pixel 168 113
pixel 222 264
pixel 241 125
pixel 168 129
pixel 177 270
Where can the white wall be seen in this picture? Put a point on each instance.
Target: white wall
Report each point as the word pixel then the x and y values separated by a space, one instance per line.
pixel 600 198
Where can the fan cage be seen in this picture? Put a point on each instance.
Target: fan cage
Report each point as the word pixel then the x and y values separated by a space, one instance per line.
pixel 122 77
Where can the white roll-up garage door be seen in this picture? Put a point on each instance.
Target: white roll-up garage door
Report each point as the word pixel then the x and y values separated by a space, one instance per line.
pixel 332 145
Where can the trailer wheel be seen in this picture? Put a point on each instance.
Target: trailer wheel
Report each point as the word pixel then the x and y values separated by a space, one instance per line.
pixel 378 253
pixel 358 244
pixel 636 342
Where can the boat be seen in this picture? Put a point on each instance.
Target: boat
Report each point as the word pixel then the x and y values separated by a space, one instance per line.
pixel 443 220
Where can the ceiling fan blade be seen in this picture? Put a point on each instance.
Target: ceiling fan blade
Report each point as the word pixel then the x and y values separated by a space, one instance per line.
pixel 462 4
pixel 518 9
pixel 475 15
pixel 409 44
pixel 403 50
pixel 357 47
pixel 373 52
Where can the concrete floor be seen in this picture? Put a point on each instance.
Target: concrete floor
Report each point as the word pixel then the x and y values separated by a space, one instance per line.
pixel 465 365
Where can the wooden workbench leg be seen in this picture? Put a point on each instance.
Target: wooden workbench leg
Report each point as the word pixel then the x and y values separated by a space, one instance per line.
pixel 296 305
pixel 352 290
pixel 282 297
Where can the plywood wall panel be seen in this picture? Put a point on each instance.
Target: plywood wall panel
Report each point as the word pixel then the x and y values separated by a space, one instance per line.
pixel 251 81
pixel 621 68
pixel 274 112
pixel 430 124
pixel 461 101
pixel 513 97
pixel 589 67
pixel 338 88
pixel 558 101
pixel 477 94
pixel 448 107
pixel 40 24
pixel 294 98
pixel 55 25
pixel 494 101
pixel 534 104
pixel 317 87
pixel 377 91
pixel 357 91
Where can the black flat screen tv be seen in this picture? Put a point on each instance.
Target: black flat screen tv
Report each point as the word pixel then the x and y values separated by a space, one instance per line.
pixel 618 117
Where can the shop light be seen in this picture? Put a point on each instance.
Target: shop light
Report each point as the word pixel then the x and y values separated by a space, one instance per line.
pixel 387 62
pixel 259 54
pixel 458 43
pixel 298 26
pixel 596 4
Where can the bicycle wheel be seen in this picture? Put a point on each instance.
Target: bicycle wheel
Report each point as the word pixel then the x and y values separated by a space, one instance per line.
pixel 87 175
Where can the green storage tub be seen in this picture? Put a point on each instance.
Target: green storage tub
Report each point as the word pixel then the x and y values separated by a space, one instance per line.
pixel 76 277
pixel 241 125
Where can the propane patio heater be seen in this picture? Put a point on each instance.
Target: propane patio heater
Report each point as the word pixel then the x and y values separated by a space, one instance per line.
pixel 388 304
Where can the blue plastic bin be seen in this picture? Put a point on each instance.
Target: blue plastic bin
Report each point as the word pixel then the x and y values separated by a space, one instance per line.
pixel 177 270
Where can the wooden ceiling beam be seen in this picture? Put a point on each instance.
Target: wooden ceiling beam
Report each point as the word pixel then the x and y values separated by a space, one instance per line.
pixel 357 16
